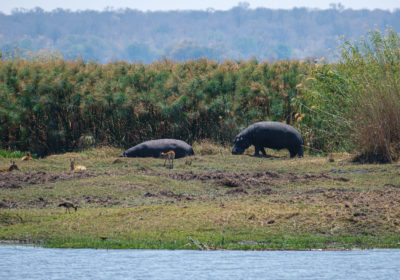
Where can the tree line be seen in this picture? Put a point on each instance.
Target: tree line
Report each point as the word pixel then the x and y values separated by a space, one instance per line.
pixel 239 33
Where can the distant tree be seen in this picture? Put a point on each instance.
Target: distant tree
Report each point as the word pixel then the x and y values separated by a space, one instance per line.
pixel 191 50
pixel 246 45
pixel 238 33
pixel 89 48
pixel 140 52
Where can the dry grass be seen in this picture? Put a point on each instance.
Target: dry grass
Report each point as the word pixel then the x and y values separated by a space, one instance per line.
pixel 207 147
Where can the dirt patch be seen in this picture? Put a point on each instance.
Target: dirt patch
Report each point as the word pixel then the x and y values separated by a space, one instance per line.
pixel 169 194
pixel 41 203
pixel 236 191
pixel 17 180
pixel 3 204
pixel 265 191
pixel 227 179
pixel 103 201
pixel 228 182
pixel 325 176
pixel 9 185
pixel 246 180
pixel 392 186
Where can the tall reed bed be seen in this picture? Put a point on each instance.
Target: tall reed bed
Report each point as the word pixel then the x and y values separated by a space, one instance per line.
pixel 52 105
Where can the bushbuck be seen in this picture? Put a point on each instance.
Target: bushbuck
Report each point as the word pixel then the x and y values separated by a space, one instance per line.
pixel 27 157
pixel 170 157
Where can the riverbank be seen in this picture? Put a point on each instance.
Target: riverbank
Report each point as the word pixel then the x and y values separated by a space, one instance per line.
pixel 213 200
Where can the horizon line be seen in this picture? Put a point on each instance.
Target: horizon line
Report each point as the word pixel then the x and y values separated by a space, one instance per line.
pixel 209 10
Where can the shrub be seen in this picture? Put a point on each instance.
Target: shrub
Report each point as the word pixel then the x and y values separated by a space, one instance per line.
pixel 356 102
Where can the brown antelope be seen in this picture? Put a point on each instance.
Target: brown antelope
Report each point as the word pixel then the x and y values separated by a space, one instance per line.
pixel 27 157
pixel 10 168
pixel 170 157
pixel 68 206
pixel 77 167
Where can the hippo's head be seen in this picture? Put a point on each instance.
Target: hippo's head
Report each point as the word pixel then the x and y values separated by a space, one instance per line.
pixel 241 144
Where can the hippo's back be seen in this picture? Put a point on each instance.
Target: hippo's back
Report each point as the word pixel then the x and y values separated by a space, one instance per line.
pixel 277 135
pixel 154 148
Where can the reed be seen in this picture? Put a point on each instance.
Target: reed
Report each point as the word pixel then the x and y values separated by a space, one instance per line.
pixel 355 103
pixel 52 105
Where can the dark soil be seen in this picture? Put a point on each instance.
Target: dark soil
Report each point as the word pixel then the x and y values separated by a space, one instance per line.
pixel 169 194
pixel 41 203
pixel 15 180
pixel 246 180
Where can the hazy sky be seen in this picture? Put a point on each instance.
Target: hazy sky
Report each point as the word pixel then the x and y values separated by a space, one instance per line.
pixel 6 6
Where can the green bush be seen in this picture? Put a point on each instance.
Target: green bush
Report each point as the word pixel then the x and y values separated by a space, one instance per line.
pixel 355 103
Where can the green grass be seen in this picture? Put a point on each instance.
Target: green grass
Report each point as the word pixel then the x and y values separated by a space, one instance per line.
pixel 135 204
pixel 11 154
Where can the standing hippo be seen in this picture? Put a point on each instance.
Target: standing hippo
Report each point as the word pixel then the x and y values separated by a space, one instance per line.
pixel 154 148
pixel 274 135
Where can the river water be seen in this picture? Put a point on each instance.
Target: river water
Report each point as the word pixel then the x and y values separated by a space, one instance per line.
pixel 22 262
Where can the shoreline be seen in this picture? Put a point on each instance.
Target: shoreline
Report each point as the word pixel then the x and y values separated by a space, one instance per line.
pixel 27 244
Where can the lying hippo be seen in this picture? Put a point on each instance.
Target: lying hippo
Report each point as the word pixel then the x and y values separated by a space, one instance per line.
pixel 154 148
pixel 274 135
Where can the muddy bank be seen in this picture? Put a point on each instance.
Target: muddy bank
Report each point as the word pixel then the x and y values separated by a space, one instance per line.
pixel 249 180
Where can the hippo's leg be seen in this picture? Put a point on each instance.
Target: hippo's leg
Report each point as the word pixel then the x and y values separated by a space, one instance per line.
pixel 301 152
pixel 263 152
pixel 292 154
pixel 257 150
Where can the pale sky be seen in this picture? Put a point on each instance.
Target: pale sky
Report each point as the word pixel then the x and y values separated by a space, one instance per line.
pixel 6 6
